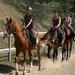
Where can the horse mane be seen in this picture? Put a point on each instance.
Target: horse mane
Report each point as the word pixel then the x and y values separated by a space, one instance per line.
pixel 14 23
pixel 45 36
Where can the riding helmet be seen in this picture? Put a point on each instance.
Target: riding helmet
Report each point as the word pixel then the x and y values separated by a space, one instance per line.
pixel 29 8
pixel 67 12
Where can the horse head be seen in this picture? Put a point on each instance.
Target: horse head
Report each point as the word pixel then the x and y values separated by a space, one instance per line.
pixel 64 24
pixel 10 25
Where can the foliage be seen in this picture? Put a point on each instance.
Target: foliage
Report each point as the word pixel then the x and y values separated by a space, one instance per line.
pixel 43 9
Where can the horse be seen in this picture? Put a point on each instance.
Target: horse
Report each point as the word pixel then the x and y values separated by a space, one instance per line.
pixel 69 37
pixel 52 41
pixel 22 43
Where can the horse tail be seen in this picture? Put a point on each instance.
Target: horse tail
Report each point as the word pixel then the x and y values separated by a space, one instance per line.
pixel 45 36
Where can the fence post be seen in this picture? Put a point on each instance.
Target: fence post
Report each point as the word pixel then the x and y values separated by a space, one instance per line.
pixel 9 46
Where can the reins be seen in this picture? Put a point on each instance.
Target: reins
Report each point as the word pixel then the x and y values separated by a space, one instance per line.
pixel 14 32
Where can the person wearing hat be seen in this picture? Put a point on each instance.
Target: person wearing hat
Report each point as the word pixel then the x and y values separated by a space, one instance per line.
pixel 68 20
pixel 28 21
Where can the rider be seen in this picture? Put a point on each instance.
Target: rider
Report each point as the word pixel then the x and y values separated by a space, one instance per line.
pixel 55 22
pixel 68 20
pixel 28 21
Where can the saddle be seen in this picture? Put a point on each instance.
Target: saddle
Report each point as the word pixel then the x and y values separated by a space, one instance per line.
pixel 58 35
pixel 31 38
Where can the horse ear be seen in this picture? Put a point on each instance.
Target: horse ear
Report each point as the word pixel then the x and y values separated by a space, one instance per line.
pixel 10 20
pixel 7 19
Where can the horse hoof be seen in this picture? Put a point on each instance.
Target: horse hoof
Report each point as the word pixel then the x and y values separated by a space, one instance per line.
pixel 69 56
pixel 16 73
pixel 39 69
pixel 66 58
pixel 53 60
pixel 30 70
pixel 48 56
pixel 24 72
pixel 62 59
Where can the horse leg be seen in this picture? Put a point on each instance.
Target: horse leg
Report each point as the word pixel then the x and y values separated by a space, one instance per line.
pixel 25 52
pixel 39 59
pixel 31 64
pixel 67 50
pixel 63 51
pixel 49 50
pixel 54 55
pixel 70 49
pixel 16 62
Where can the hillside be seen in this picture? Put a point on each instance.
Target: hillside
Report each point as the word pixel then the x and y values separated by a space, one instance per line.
pixel 42 11
pixel 8 10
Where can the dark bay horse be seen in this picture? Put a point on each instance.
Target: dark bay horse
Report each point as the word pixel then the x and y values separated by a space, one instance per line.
pixel 52 42
pixel 69 37
pixel 21 43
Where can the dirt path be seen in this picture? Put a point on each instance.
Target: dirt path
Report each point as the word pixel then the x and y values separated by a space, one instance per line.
pixel 57 68
pixel 50 68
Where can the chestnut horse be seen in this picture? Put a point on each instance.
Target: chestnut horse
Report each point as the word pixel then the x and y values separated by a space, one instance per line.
pixel 21 43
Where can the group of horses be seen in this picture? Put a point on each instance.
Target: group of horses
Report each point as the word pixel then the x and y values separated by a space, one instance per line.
pixel 22 43
pixel 66 42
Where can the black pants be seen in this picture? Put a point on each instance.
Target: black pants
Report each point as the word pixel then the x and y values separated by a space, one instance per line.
pixel 57 33
pixel 32 36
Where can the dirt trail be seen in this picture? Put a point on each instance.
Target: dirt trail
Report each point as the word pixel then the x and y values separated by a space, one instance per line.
pixel 57 68
pixel 50 68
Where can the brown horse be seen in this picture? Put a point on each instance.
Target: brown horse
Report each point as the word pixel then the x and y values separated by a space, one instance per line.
pixel 52 42
pixel 21 43
pixel 69 37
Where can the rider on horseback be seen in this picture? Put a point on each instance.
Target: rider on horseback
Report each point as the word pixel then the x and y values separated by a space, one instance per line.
pixel 55 23
pixel 28 21
pixel 68 20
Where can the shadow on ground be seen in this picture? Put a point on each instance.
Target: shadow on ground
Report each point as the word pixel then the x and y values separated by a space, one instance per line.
pixel 35 62
pixel 6 68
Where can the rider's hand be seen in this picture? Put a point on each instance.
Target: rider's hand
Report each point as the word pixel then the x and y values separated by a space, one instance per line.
pixel 26 27
pixel 56 27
